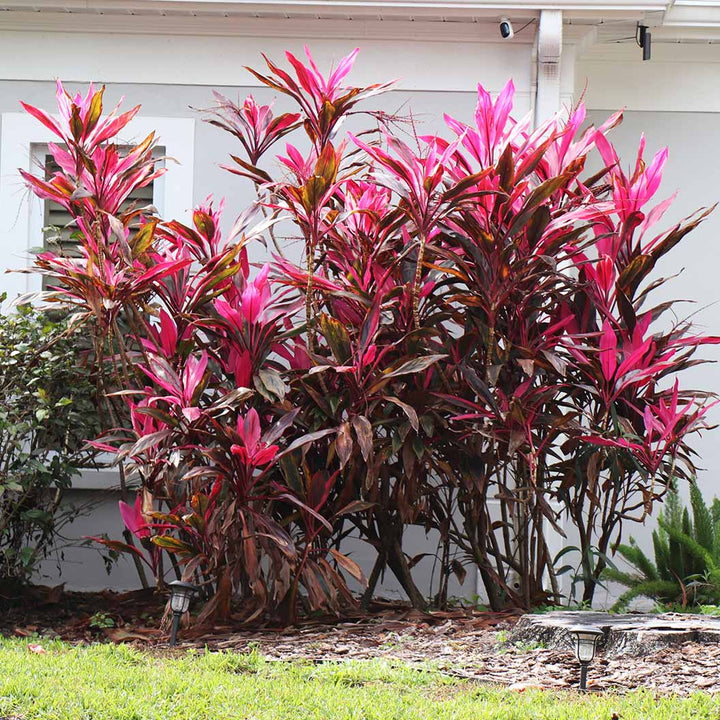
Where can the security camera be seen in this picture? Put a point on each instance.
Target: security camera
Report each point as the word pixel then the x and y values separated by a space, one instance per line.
pixel 506 28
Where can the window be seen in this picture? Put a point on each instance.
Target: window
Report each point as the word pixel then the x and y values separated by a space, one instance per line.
pixel 23 144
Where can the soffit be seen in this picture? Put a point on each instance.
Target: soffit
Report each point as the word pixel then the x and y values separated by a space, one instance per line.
pixel 590 23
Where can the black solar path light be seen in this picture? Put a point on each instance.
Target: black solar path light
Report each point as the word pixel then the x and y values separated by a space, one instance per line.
pixel 585 639
pixel 181 594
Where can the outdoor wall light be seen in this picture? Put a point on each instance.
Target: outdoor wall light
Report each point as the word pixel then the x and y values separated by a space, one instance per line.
pixel 585 639
pixel 181 594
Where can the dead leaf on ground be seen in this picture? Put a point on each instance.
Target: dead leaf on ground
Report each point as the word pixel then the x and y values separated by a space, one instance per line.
pixel 119 635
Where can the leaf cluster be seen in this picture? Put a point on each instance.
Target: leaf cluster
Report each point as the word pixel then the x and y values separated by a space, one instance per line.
pixel 467 343
pixel 47 412
pixel 686 546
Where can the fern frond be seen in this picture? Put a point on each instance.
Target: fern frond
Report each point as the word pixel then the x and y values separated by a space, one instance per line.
pixel 672 510
pixel 659 590
pixel 622 578
pixel 702 520
pixel 693 550
pixel 715 511
pixel 662 555
pixel 687 565
pixel 638 559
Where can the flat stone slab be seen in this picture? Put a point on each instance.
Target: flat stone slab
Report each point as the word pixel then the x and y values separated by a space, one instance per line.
pixel 633 634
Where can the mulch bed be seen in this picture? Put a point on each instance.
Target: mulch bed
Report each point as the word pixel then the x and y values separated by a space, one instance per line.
pixel 463 643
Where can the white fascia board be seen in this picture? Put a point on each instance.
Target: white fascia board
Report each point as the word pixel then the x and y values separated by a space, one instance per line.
pixel 343 7
pixel 692 15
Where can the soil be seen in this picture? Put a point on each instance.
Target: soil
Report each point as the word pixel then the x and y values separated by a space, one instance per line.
pixel 461 642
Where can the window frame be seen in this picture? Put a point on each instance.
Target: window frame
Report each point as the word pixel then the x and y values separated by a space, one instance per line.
pixel 23 142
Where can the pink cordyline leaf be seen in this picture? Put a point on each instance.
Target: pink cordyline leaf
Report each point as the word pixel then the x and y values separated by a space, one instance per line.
pixel 338 75
pixel 254 125
pixel 133 518
pixel 608 351
pixel 491 119
pixel 92 129
pixel 303 168
pixel 256 296
pixel 252 451
pixel 249 430
pixel 191 414
pixel 193 374
pixel 168 333
pixel 313 81
pixel 240 364
pixel 44 118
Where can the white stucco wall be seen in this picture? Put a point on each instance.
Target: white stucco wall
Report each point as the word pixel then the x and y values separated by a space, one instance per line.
pixel 170 75
pixel 672 98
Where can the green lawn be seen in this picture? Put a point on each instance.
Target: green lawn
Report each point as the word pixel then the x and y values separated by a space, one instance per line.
pixel 120 683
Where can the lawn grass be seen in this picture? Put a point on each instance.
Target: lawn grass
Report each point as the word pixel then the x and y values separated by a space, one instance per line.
pixel 108 682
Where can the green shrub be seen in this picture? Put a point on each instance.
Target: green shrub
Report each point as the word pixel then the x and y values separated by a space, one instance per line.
pixel 47 411
pixel 686 571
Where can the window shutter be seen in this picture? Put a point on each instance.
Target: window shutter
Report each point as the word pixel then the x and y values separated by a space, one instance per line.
pixel 57 219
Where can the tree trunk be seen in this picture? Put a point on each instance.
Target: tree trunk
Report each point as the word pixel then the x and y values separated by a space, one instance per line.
pixel 380 563
pixel 398 564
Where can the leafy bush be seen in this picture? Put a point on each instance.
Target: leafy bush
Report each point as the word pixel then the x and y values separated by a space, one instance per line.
pixel 686 571
pixel 47 411
pixel 469 321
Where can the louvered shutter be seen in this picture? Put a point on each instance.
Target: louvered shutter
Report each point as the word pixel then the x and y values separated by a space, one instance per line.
pixel 57 220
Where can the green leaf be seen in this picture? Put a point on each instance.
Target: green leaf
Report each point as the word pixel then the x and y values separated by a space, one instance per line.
pixel 306 440
pixel 364 433
pixel 337 338
pixel 354 507
pixel 143 238
pixel 415 365
pixel 269 383
pixel 702 520
pixel 171 544
pixel 407 409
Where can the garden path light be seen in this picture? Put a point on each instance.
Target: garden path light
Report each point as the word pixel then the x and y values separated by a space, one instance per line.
pixel 585 639
pixel 180 597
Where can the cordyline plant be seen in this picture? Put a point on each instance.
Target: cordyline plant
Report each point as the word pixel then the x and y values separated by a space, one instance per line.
pixel 467 343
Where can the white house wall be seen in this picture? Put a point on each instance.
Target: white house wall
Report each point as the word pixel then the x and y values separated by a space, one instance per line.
pixel 455 63
pixel 169 75
pixel 679 77
pixel 673 98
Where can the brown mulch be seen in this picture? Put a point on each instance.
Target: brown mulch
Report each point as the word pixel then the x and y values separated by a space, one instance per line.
pixel 463 642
